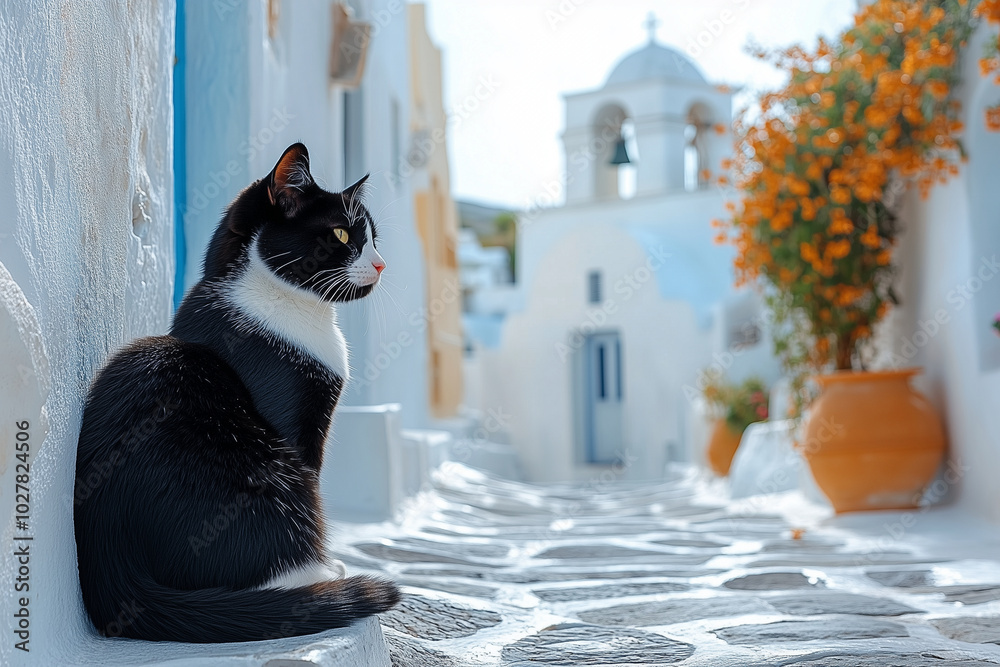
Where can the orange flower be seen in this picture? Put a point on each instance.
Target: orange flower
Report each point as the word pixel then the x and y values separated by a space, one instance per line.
pixel 840 196
pixel 993 118
pixel 939 89
pixel 781 221
pixel 989 10
pixel 839 249
pixel 808 253
pixel 840 223
pixel 870 238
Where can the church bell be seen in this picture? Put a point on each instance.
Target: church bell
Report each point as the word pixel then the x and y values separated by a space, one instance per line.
pixel 621 155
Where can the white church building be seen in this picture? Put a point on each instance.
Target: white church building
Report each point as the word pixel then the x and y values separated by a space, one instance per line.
pixel 623 297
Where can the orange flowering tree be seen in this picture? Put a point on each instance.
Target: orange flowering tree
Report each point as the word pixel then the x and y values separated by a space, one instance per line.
pixel 821 166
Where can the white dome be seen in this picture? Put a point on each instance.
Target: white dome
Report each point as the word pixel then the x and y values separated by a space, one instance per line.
pixel 654 61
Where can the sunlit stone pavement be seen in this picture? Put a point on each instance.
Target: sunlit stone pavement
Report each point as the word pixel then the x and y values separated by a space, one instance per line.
pixel 607 573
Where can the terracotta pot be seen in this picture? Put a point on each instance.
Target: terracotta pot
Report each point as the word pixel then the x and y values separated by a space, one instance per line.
pixel 872 441
pixel 722 445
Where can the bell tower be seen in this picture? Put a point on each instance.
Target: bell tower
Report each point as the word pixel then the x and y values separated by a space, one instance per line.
pixel 654 120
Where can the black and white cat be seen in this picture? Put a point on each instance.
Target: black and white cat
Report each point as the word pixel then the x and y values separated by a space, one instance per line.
pixel 197 508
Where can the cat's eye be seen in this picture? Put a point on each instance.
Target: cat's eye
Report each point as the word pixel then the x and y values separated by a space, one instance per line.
pixel 341 234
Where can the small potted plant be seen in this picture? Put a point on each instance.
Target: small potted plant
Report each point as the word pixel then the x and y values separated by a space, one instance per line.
pixel 735 406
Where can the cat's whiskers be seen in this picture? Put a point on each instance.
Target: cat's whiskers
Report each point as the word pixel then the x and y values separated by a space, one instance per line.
pixel 342 283
pixel 331 283
pixel 324 289
pixel 384 225
pixel 380 314
pixel 333 287
pixel 344 289
pixel 320 274
pixel 389 203
pixel 388 281
pixel 389 296
pixel 368 320
pixel 297 259
pixel 355 204
pixel 386 297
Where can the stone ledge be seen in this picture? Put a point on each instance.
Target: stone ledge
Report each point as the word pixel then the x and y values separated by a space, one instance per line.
pixel 360 645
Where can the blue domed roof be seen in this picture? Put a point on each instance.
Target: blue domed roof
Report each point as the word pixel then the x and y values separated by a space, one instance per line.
pixel 654 61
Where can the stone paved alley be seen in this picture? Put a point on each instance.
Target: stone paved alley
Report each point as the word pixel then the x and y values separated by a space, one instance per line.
pixel 501 573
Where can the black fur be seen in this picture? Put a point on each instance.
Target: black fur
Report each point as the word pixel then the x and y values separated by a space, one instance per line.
pixel 199 454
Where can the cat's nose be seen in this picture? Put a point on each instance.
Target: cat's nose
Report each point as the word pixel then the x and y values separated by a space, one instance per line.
pixel 378 264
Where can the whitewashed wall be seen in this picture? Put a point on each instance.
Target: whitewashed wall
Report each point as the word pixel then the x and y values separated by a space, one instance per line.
pixel 950 287
pixel 86 263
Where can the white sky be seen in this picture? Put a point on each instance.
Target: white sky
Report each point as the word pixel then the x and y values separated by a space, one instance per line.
pixel 533 51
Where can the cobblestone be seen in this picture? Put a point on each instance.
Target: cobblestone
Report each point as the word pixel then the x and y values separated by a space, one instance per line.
pixel 428 618
pixel 842 629
pixel 593 645
pixel 501 574
pixel 773 581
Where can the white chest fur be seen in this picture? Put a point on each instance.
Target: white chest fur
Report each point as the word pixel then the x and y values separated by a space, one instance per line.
pixel 274 307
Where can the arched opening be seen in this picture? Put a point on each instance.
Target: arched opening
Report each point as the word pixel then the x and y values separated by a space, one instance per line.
pixel 627 175
pixel 695 153
pixel 614 152
pixel 692 158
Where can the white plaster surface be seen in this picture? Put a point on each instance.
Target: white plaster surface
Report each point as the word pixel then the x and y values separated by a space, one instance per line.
pixel 86 246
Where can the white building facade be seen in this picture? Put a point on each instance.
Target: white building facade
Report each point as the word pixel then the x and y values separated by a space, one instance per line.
pixel 623 296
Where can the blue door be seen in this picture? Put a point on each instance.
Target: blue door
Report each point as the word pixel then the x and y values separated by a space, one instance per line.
pixel 603 398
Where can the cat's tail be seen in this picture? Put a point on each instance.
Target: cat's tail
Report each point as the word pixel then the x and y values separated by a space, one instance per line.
pixel 222 615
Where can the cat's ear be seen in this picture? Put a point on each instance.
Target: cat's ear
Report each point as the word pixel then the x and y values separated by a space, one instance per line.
pixel 356 190
pixel 290 178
